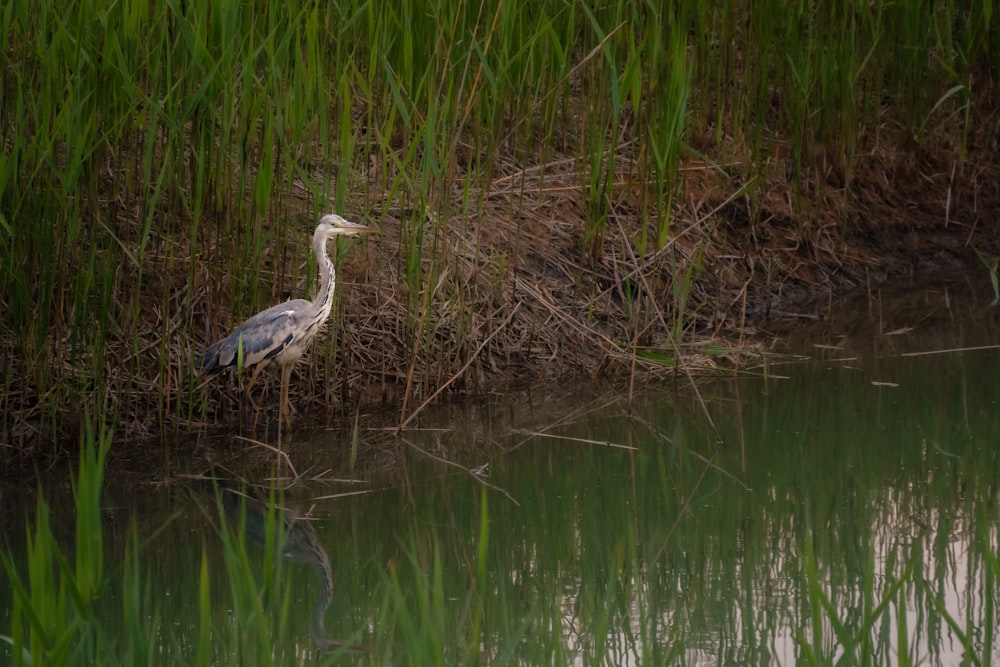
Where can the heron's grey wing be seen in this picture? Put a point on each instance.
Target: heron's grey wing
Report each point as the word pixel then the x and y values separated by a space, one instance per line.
pixel 263 336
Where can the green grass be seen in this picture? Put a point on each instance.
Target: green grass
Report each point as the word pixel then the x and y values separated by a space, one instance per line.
pixel 53 607
pixel 148 151
pixel 71 606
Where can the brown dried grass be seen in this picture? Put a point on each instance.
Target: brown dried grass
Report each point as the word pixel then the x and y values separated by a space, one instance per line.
pixel 510 294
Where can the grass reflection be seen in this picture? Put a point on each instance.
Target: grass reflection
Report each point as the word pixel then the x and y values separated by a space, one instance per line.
pixel 840 522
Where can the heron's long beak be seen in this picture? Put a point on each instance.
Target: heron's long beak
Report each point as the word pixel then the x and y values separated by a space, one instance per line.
pixel 348 227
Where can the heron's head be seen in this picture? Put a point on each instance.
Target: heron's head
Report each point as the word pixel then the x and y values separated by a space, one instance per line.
pixel 332 224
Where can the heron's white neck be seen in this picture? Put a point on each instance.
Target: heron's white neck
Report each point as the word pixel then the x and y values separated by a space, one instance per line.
pixel 327 275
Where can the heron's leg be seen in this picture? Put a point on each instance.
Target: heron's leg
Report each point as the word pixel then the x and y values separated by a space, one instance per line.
pixel 253 376
pixel 249 386
pixel 286 375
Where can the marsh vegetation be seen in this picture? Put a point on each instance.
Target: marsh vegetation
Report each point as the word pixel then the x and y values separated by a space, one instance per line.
pixel 561 187
pixel 618 191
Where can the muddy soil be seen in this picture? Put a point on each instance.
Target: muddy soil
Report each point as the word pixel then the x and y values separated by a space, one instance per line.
pixel 728 264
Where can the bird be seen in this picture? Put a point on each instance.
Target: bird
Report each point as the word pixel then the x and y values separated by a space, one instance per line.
pixel 283 333
pixel 298 543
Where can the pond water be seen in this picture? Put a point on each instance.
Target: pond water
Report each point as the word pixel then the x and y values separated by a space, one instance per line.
pixel 835 504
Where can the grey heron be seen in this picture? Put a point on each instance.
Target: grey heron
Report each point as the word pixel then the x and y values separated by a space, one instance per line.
pixel 300 544
pixel 283 333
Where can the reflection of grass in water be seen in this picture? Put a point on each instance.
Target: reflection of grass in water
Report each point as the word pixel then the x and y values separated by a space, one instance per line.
pixel 856 639
pixel 54 597
pixel 873 631
pixel 875 493
pixel 76 610
pixel 820 549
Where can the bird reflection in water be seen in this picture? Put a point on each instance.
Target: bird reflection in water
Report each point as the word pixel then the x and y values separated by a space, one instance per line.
pixel 301 545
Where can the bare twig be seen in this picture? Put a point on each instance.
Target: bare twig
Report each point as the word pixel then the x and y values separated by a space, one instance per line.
pixel 476 476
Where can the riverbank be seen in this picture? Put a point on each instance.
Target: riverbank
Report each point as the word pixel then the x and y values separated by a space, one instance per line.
pixel 621 193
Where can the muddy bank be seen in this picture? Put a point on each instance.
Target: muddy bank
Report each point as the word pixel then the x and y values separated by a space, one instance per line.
pixel 517 294
pixel 540 305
